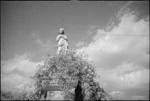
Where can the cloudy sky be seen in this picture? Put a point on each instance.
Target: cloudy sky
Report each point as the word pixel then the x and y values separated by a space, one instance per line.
pixel 115 35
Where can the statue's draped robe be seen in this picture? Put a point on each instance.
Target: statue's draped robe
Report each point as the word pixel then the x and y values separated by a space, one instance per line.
pixel 62 44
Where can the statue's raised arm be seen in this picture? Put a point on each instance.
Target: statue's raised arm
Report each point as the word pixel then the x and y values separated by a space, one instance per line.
pixel 62 44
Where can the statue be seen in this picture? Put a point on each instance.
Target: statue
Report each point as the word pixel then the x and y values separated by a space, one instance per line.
pixel 62 41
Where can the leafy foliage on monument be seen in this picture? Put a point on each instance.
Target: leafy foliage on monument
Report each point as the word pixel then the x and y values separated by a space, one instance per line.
pixel 66 70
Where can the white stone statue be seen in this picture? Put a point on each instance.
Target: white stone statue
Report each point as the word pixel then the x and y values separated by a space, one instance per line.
pixel 62 41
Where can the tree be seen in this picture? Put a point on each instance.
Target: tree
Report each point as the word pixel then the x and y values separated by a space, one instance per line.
pixel 66 71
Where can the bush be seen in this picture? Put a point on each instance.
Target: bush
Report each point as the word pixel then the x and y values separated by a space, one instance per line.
pixel 66 70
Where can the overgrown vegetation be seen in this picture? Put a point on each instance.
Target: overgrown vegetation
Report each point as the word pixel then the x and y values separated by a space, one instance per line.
pixel 66 70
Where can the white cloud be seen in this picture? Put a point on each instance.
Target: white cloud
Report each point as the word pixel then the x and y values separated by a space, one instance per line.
pixel 17 71
pixel 121 41
pixel 127 76
pixel 92 29
pixel 80 44
pixel 124 9
pixel 121 55
pixel 45 46
pixel 117 94
pixel 138 98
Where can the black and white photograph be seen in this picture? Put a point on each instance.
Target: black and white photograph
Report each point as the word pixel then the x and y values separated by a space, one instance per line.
pixel 75 50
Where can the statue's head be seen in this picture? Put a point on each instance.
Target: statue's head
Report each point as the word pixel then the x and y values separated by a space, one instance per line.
pixel 61 31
